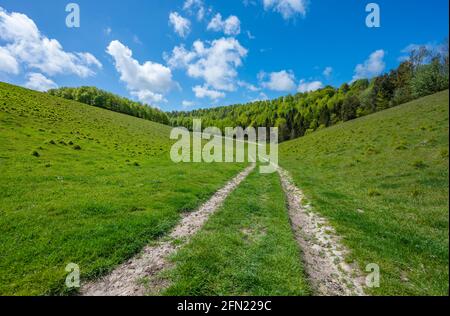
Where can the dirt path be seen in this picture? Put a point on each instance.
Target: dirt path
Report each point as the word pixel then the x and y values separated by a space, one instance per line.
pixel 127 279
pixel 323 254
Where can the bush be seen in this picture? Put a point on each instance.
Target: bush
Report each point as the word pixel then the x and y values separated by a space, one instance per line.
pixel 429 79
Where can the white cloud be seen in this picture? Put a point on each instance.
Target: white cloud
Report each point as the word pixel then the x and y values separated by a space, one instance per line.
pixel 230 26
pixel 261 97
pixel 287 8
pixel 204 92
pixel 282 81
pixel 148 96
pixel 433 48
pixel 201 14
pixel 108 31
pixel 39 82
pixel 180 58
pixel 8 63
pixel 216 64
pixel 327 72
pixel 192 5
pixel 309 86
pixel 187 104
pixel 181 26
pixel 148 82
pixel 411 47
pixel 373 66
pixel 248 86
pixel 249 2
pixel 29 47
pixel 189 4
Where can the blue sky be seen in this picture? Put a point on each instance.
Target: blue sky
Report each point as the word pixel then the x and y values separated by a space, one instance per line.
pixel 181 54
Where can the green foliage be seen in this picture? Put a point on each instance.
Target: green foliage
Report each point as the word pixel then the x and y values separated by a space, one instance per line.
pixel 303 113
pixel 102 99
pixel 429 79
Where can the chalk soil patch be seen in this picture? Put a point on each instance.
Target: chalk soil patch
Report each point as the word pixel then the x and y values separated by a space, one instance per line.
pixel 323 254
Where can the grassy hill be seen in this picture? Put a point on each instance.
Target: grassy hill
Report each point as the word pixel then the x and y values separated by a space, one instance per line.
pixel 382 180
pixel 84 185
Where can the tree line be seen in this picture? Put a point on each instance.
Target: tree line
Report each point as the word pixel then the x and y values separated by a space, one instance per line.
pixel 425 72
pixel 106 100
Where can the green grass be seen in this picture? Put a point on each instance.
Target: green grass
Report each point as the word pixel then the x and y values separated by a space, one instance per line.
pixel 246 248
pixel 84 185
pixel 382 180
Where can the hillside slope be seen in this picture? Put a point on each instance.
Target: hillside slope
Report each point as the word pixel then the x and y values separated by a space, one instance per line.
pixel 382 180
pixel 84 185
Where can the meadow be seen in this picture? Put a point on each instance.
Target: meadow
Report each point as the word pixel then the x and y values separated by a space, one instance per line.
pixel 382 181
pixel 85 185
pixel 81 184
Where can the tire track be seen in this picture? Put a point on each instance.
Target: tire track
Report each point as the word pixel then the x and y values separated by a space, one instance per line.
pixel 125 279
pixel 323 254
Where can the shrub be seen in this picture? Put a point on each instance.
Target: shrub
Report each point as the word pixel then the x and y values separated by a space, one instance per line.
pixel 429 79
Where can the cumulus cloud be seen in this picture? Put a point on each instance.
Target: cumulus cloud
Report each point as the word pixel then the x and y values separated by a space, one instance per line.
pixel 187 104
pixel 230 26
pixel 247 86
pixel 181 26
pixel 195 5
pixel 8 63
pixel 180 57
pixel 204 92
pixel 305 86
pixel 148 82
pixel 282 81
pixel 287 8
pixel 214 62
pixel 327 72
pixel 29 47
pixel 373 66
pixel 188 4
pixel 39 82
